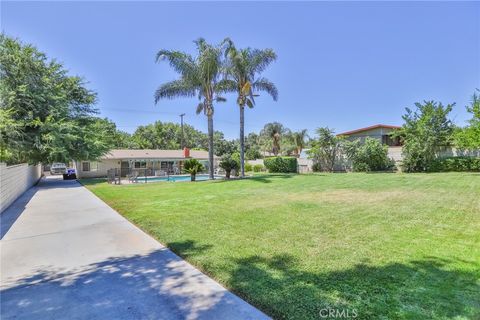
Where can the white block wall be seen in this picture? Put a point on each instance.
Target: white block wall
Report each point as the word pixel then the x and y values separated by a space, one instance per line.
pixel 15 180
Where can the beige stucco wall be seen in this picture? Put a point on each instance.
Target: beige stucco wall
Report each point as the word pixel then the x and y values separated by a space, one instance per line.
pixel 15 180
pixel 101 171
pixel 373 133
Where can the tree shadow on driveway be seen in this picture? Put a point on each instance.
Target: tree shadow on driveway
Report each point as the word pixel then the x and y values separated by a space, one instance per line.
pixel 157 285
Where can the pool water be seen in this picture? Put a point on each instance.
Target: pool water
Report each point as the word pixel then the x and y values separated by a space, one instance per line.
pixel 199 177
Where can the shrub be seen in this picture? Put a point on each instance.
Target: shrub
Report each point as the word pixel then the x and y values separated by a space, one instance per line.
pixel 325 150
pixel 281 164
pixel 248 167
pixel 192 166
pixel 368 156
pixel 425 129
pixel 316 167
pixel 252 154
pixel 236 157
pixel 228 164
pixel 455 164
pixel 258 168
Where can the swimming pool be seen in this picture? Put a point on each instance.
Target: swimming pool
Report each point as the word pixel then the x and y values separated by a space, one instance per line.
pixel 199 177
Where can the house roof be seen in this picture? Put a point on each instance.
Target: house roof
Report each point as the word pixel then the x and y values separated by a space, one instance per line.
pixel 153 154
pixel 376 126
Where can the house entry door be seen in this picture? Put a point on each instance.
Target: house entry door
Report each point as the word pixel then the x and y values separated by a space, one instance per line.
pixel 124 168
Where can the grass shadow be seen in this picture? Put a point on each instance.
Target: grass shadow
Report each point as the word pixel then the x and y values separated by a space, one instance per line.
pixel 428 288
pixel 269 178
pixel 187 248
pixel 420 289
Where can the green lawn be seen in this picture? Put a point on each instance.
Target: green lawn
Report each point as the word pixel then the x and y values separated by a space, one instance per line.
pixel 391 246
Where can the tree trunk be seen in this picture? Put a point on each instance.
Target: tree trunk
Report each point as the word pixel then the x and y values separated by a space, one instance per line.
pixel 210 147
pixel 192 177
pixel 242 142
pixel 227 174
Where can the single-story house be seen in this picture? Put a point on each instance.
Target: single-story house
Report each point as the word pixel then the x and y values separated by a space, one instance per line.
pixel 381 132
pixel 145 161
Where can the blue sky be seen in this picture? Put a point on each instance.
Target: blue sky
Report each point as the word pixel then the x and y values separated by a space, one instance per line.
pixel 340 64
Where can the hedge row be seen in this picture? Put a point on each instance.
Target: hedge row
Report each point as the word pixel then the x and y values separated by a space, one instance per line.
pixel 281 164
pixel 455 164
pixel 255 168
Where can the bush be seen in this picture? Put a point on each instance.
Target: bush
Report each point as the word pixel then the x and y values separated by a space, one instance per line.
pixel 252 154
pixel 325 150
pixel 192 166
pixel 281 164
pixel 236 157
pixel 258 168
pixel 228 164
pixel 316 167
pixel 455 164
pixel 248 167
pixel 369 156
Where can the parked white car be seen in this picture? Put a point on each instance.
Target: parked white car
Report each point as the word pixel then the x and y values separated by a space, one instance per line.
pixel 58 168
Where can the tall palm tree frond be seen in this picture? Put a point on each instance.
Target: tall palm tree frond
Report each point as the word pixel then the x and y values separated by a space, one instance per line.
pixel 260 60
pixel 200 108
pixel 226 85
pixel 181 62
pixel 266 85
pixel 173 89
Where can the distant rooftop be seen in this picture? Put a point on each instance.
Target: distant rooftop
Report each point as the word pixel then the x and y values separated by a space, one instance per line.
pixel 376 126
pixel 153 154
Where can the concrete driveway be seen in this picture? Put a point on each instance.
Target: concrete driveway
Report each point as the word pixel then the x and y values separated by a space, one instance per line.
pixel 65 254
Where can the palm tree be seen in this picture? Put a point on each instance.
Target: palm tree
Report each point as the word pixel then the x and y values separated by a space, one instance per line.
pixel 273 132
pixel 192 166
pixel 299 138
pixel 199 76
pixel 243 68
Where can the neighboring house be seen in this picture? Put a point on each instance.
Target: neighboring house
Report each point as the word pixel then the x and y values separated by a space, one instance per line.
pixel 146 161
pixel 381 132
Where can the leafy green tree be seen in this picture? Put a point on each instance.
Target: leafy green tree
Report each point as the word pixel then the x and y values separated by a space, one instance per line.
pixel 192 166
pixel 48 115
pixel 271 136
pixel 124 140
pixel 199 77
pixel 168 135
pixel 162 135
pixel 223 146
pixel 10 131
pixel 469 137
pixel 243 69
pixel 425 131
pixel 325 150
pixel 252 146
pixel 369 155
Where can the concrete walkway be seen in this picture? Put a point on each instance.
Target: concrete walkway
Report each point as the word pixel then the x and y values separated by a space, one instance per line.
pixel 65 254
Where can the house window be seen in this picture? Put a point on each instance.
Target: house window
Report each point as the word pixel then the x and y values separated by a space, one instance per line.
pixel 140 164
pixel 89 166
pixel 391 141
